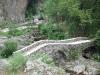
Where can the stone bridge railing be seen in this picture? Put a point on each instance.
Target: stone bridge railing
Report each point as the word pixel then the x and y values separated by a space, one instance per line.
pixel 52 45
pixel 49 41
pixel 51 48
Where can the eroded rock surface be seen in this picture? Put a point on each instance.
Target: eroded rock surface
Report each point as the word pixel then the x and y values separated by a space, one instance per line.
pixel 40 68
pixel 13 9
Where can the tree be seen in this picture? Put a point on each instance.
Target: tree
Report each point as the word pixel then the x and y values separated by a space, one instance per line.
pixel 81 16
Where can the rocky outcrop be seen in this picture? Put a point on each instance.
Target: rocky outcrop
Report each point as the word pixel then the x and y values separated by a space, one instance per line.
pixel 40 68
pixel 82 67
pixel 13 9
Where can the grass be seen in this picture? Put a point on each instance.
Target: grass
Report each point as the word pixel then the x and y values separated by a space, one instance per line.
pixel 16 62
pixel 15 66
pixel 12 32
pixel 3 33
pixel 7 24
pixel 9 47
pixel 16 32
pixel 6 72
pixel 45 58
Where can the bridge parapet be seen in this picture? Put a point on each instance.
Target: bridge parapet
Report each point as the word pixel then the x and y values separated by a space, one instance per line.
pixel 49 41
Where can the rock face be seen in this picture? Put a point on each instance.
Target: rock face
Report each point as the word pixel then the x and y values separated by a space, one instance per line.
pixel 40 68
pixel 13 9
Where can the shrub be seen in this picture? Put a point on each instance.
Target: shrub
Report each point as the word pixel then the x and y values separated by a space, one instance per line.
pixel 10 47
pixel 17 61
pixel 31 9
pixel 43 29
pixel 80 17
pixel 96 57
pixel 98 38
pixel 52 31
pixel 96 54
pixel 56 35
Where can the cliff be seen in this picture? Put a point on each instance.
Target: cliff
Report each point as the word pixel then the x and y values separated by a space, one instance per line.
pixel 13 9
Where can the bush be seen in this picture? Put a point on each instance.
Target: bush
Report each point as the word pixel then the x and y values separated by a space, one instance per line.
pixel 52 31
pixel 96 57
pixel 16 62
pixel 79 15
pixel 98 38
pixel 10 47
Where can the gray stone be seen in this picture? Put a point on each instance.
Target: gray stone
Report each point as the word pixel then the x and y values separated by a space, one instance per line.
pixel 79 69
pixel 29 65
pixel 13 9
pixel 3 64
pixel 41 68
pixel 93 71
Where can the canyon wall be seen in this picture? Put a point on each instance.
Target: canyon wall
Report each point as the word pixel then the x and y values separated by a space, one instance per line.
pixel 13 10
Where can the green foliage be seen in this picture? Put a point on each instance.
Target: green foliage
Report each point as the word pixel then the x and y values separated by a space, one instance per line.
pixel 16 62
pixel 45 58
pixel 96 57
pixel 98 39
pixel 7 24
pixel 15 32
pixel 52 31
pixel 9 48
pixel 81 16
pixel 4 33
pixel 12 28
pixel 73 54
pixel 28 30
pixel 96 54
pixel 31 9
pixel 65 9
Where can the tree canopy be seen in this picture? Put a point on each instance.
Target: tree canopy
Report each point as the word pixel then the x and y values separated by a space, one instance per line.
pixel 81 16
